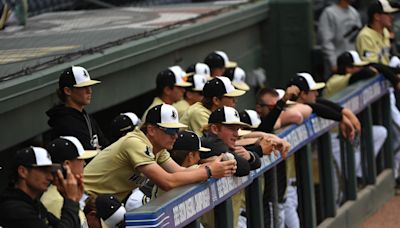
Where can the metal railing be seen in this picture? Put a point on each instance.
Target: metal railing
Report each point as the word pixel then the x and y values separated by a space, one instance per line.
pixel 182 206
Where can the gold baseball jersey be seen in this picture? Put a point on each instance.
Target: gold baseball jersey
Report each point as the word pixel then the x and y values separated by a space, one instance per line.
pixel 336 83
pixel 181 106
pixel 54 201
pixel 373 46
pixel 196 117
pixel 113 170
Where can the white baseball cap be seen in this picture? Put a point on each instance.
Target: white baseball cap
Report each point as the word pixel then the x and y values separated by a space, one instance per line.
pixel 75 76
pixel 164 115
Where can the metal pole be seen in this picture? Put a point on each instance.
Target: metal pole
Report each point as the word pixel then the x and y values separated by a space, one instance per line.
pixel 388 123
pixel 223 214
pixel 326 175
pixel 254 206
pixel 367 147
pixel 348 169
pixel 305 187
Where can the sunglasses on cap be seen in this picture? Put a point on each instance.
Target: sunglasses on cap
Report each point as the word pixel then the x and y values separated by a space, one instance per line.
pixel 169 131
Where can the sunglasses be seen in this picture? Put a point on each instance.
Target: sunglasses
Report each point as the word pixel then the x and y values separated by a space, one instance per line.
pixel 169 131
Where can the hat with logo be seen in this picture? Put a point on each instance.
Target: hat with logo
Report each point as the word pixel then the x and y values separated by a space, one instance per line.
pixel 125 122
pixel 221 86
pixel 110 210
pixel 33 157
pixel 164 115
pixel 199 68
pixel 75 76
pixel 238 77
pixel 189 141
pixel 171 77
pixel 250 117
pixel 198 81
pixel 305 82
pixel 68 148
pixel 225 115
pixel 382 6
pixel 218 59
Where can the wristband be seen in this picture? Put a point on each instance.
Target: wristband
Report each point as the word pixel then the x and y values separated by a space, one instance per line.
pixel 209 174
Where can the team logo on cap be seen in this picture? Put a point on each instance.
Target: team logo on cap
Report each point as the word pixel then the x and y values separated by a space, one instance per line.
pixel 173 114
pixel 236 114
pixel 85 73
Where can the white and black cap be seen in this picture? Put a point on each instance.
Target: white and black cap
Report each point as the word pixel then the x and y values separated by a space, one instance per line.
pixel 225 115
pixel 33 157
pixel 125 122
pixel 171 77
pixel 305 82
pixel 68 148
pixel 179 71
pixel 110 210
pixel 238 78
pixel 75 76
pixel 198 81
pixel 199 68
pixel 218 59
pixel 164 115
pixel 221 86
pixel 250 117
pixel 188 141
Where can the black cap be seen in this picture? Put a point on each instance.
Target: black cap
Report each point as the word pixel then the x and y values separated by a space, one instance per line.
pixel 225 115
pixel 75 76
pixel 124 122
pixel 221 86
pixel 188 141
pixel 214 60
pixel 167 78
pixel 299 82
pixel 33 156
pixel 109 209
pixel 382 6
pixel 164 115
pixel 68 148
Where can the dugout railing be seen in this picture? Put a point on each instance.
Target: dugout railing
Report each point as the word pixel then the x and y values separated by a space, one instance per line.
pixel 183 206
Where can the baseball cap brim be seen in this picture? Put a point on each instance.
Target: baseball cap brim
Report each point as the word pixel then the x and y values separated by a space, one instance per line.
pixel 236 123
pixel 235 93
pixel 241 86
pixel 230 64
pixel 183 84
pixel 289 102
pixel 242 132
pixel 87 83
pixel 204 149
pixel 318 85
pixel 88 154
pixel 172 125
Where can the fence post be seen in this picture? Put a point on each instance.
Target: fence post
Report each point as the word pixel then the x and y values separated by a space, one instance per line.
pixel 305 187
pixel 367 147
pixel 223 214
pixel 254 205
pixel 348 169
pixel 326 174
pixel 388 124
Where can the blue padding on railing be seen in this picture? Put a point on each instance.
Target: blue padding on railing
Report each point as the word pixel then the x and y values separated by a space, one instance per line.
pixel 181 206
